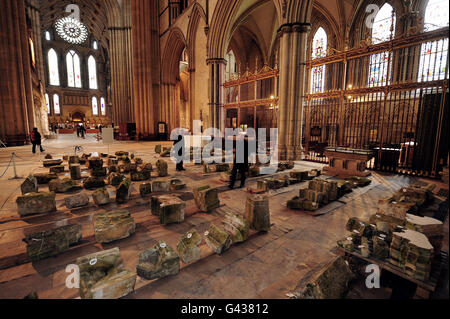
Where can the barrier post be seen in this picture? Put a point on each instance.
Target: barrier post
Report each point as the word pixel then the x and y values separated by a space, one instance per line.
pixel 13 155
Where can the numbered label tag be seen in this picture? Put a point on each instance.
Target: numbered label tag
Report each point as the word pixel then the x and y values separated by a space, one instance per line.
pixel 92 262
pixel 189 236
pixel 207 233
pixel 163 245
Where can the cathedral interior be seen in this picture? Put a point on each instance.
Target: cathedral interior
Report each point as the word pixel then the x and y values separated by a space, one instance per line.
pixel 349 99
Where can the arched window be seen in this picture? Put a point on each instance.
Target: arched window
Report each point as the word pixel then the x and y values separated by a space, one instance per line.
pixel 433 56
pixel 47 36
pixel 53 70
pixel 383 30
pixel 47 101
pixel 319 50
pixel 103 106
pixel 56 105
pixel 95 45
pixel 73 69
pixel 92 65
pixel 94 106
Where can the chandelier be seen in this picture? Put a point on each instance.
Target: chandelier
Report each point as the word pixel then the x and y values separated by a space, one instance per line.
pixel 71 30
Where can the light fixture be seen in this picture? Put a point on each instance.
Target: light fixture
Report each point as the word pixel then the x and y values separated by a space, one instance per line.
pixel 71 30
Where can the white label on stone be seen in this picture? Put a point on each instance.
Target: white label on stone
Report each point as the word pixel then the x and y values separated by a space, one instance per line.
pixel 163 245
pixel 349 238
pixel 207 233
pixel 92 262
pixel 356 232
pixel 382 235
pixel 189 236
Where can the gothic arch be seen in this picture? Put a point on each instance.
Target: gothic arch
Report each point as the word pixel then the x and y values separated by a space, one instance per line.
pixel 175 45
pixel 358 29
pixel 197 13
pixel 321 17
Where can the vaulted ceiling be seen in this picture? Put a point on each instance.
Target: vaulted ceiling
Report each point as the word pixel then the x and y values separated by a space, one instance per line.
pixel 93 13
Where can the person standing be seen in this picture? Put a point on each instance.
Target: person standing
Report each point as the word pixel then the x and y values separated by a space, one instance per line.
pixel 180 165
pixel 36 140
pixel 78 131
pixel 83 131
pixel 240 162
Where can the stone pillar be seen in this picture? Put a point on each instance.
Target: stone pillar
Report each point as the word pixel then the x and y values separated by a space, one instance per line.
pixel 145 44
pixel 293 40
pixel 16 94
pixel 216 67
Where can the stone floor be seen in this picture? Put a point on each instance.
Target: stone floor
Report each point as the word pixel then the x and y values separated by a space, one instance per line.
pixel 266 266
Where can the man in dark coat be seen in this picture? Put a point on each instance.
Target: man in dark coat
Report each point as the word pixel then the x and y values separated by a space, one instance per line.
pixel 36 140
pixel 180 165
pixel 240 163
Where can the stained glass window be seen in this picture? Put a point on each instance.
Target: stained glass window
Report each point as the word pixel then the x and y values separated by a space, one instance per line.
pixel 383 30
pixel 103 106
pixel 73 69
pixel 47 36
pixel 95 45
pixel 53 70
pixel 436 15
pixel 319 50
pixel 47 101
pixel 433 56
pixel 92 73
pixel 56 105
pixel 94 106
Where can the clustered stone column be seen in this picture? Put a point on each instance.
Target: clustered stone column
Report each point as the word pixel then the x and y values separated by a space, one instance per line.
pixel 145 41
pixel 215 92
pixel 293 40
pixel 16 93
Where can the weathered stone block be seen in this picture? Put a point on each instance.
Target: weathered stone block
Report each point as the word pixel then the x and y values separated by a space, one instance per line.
pixel 75 171
pixel 140 176
pixel 332 282
pixel 161 186
pixel 162 168
pixel 95 162
pixel 61 185
pixel 257 212
pixel 158 262
pixel 115 179
pixel 45 178
pixel 122 153
pixel 57 169
pixel 169 209
pixel 145 189
pixel 217 239
pixel 101 197
pixel 188 247
pixel 77 201
pixel 98 172
pixel 123 191
pixel 48 157
pixel 52 242
pixel 113 226
pixel 51 163
pixel 30 185
pixel 206 198
pixel 36 203
pixel 129 168
pixel 236 226
pixel 102 276
pixel 296 203
pixel 158 149
pixel 176 185
pixel 74 159
pixel 148 167
pixel 93 183
pixel 113 169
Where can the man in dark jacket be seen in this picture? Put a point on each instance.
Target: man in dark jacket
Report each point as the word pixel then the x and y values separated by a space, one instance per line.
pixel 36 140
pixel 240 163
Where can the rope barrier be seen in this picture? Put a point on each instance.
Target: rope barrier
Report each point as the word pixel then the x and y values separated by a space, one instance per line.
pixel 8 166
